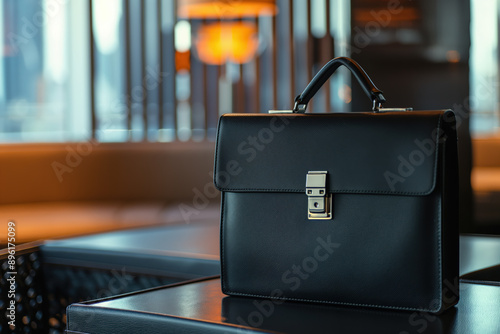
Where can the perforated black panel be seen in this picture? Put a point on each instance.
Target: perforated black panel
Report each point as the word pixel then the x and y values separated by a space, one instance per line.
pixel 30 303
pixel 43 291
pixel 68 284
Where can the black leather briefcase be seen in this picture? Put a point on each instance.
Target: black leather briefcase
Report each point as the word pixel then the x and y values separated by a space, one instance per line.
pixel 345 208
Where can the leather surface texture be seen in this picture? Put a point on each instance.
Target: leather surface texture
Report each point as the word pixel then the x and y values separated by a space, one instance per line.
pixel 185 250
pixel 393 239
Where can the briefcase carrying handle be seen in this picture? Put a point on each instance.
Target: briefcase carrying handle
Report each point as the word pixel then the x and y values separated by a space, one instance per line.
pixel 324 74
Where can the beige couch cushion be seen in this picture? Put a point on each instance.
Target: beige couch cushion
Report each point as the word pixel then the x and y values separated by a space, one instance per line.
pixel 485 180
pixel 59 190
pixel 52 220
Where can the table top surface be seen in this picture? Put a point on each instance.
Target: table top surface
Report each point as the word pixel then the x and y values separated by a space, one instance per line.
pixel 202 302
pixel 477 312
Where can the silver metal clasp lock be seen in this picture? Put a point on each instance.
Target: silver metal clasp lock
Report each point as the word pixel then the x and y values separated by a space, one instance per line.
pixel 319 202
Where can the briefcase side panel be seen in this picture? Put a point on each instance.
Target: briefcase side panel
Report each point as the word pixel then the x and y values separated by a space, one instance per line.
pixel 450 218
pixel 366 256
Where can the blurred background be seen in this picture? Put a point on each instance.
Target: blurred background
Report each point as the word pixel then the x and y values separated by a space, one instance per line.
pixel 88 87
pixel 109 110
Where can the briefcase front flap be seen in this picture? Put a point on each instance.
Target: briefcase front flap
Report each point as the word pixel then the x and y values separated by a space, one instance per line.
pixel 387 153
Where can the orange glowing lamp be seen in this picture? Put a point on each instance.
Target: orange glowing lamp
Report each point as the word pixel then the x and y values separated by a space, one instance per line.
pixel 219 43
pixel 202 9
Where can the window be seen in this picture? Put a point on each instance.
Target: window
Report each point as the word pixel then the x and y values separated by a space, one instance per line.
pixel 484 71
pixel 130 70
pixel 43 81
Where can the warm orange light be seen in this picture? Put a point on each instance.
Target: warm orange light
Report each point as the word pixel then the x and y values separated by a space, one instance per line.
pixel 404 17
pixel 219 43
pixel 225 8
pixel 182 61
pixel 453 56
pixel 345 93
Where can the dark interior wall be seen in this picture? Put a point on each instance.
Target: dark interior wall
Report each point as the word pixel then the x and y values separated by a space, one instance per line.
pixel 419 84
pixel 418 72
pixel 423 74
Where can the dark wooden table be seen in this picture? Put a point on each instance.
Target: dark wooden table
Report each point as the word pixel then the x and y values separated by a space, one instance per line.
pixel 200 307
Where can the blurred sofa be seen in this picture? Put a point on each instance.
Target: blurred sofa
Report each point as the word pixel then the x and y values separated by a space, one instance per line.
pixel 67 189
pixel 485 179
